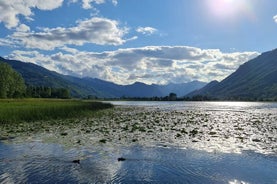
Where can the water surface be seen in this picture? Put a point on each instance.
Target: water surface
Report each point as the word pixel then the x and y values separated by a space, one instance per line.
pixel 206 106
pixel 162 142
pixel 50 163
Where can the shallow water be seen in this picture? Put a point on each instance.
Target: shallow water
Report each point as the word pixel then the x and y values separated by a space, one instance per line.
pixel 165 142
pixel 38 162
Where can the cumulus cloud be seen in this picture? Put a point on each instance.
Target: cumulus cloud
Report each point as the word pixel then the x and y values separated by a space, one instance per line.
pixel 23 28
pixel 96 30
pixel 115 2
pixel 275 18
pixel 146 30
pixel 87 4
pixel 151 64
pixel 11 10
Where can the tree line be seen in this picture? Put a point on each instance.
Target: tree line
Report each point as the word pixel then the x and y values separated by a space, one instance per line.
pixel 198 98
pixel 12 85
pixel 47 92
pixel 170 97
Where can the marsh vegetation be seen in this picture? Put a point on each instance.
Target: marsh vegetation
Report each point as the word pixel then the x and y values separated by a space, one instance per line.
pixel 26 110
pixel 227 131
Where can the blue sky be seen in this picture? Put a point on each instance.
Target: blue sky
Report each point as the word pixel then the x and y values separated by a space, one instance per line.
pixel 151 41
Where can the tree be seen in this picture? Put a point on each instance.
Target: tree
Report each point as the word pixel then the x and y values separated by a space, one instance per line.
pixel 64 93
pixel 11 83
pixel 60 93
pixel 172 97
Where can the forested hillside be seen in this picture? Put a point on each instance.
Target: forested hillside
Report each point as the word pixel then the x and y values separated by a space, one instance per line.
pixel 254 80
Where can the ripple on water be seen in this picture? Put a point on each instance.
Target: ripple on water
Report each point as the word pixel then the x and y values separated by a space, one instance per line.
pixel 142 164
pixel 150 139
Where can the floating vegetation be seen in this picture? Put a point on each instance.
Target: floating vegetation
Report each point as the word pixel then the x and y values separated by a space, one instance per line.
pixel 193 132
pixel 102 140
pixel 121 125
pixel 212 133
pixel 64 134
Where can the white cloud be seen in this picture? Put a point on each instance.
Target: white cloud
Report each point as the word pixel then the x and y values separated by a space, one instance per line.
pixel 146 30
pixel 45 5
pixel 69 50
pixel 11 9
pixel 23 28
pixel 115 2
pixel 151 64
pixel 96 30
pixel 87 4
pixel 6 42
pixel 275 18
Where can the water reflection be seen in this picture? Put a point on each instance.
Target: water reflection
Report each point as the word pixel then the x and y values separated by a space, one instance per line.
pixel 142 165
pixel 218 105
pixel 37 162
pixel 237 182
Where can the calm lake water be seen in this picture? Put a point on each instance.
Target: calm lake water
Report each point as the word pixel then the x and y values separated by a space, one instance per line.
pixel 36 161
pixel 205 106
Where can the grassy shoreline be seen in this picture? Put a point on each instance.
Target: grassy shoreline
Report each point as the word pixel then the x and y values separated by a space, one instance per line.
pixel 18 110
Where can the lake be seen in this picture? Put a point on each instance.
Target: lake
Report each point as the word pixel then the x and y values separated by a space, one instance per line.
pixel 208 106
pixel 160 142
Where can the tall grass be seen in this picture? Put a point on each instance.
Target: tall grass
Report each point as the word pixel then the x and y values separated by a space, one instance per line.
pixel 45 109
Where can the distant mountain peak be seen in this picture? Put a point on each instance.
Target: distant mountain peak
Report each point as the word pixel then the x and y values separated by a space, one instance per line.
pixel 139 83
pixel 35 75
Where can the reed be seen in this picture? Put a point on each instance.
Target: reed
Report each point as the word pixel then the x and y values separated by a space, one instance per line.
pixel 44 109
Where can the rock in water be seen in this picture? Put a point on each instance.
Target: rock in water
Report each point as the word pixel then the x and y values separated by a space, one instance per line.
pixel 76 161
pixel 121 159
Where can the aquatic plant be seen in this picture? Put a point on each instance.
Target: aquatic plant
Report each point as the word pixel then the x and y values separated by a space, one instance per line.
pixel 45 109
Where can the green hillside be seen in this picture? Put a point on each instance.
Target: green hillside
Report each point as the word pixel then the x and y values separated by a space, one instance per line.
pixel 35 75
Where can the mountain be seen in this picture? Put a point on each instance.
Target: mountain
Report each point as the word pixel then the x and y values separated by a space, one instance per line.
pixel 205 91
pixel 35 75
pixel 254 80
pixel 138 89
pixel 181 89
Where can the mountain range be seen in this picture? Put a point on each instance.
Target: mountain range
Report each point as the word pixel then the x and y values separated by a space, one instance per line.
pixel 35 75
pixel 254 80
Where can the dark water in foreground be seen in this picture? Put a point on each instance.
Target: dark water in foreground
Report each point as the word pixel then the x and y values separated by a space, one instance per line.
pixel 38 161
pixel 50 163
